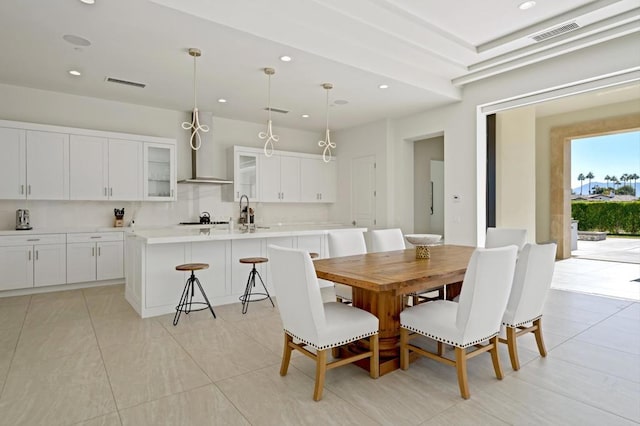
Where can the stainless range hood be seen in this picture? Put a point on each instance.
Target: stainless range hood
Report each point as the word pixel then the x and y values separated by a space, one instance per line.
pixel 202 179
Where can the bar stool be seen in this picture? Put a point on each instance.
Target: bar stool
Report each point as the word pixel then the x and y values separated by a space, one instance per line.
pixel 186 300
pixel 251 282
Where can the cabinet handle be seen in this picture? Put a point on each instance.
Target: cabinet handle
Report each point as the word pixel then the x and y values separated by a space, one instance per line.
pixel 21 189
pixel 110 192
pixel 321 195
pixel 93 237
pixel 29 189
pixel 36 254
pixel 98 251
pixel 237 194
pixel 33 239
pixel 172 193
pixel 29 254
pixel 93 251
pixel 105 191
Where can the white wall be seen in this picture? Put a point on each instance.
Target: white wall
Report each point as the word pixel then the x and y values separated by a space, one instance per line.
pixel 516 170
pixel 40 106
pixel 459 122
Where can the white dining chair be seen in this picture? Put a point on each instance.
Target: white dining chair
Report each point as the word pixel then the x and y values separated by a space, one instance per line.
pixel 469 323
pixel 387 240
pixel 345 243
pixel 501 237
pixel 313 324
pixel 531 282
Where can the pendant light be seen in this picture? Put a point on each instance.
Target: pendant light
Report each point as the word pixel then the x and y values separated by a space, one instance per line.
pixel 268 135
pixel 195 126
pixel 326 143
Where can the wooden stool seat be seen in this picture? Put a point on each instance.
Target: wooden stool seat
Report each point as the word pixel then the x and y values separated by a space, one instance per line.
pixel 254 260
pixel 314 255
pixel 192 267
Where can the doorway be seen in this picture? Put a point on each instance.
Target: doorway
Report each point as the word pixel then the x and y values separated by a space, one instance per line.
pixel 428 186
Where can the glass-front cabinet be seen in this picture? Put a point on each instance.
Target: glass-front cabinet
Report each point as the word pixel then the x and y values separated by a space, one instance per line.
pixel 245 179
pixel 159 172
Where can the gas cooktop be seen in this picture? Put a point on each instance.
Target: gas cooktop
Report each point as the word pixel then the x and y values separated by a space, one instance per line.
pixel 210 223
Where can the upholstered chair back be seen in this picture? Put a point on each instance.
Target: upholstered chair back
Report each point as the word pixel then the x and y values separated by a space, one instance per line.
pixel 531 283
pixel 387 240
pixel 346 243
pixel 299 299
pixel 485 292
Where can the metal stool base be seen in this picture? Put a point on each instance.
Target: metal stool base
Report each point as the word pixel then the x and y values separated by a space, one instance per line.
pixel 186 300
pixel 247 297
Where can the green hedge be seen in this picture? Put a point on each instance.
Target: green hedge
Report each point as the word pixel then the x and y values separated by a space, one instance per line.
pixel 613 217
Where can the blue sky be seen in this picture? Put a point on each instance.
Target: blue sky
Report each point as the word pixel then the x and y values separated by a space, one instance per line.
pixel 605 155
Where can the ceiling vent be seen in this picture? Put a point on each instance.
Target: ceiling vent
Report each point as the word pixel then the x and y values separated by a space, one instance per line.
pixel 125 82
pixel 281 111
pixel 556 31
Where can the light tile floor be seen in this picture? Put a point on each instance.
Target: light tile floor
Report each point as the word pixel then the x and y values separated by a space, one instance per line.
pixel 84 357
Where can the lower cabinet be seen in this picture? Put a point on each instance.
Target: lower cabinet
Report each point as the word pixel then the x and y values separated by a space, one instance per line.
pixel 32 261
pixel 95 256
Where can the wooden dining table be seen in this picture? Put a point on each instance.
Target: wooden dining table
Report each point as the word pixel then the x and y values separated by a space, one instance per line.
pixel 380 282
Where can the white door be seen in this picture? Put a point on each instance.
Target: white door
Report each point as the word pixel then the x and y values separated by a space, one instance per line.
pixel 270 179
pixel 363 191
pixel 50 265
pixel 16 267
pixel 47 166
pixel 88 168
pixel 289 179
pixel 12 164
pixel 109 260
pixel 437 198
pixel 125 170
pixel 81 262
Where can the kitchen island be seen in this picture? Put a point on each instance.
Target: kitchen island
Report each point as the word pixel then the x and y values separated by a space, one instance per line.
pixel 153 286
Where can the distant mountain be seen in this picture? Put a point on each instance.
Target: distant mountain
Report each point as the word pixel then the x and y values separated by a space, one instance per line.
pixel 585 187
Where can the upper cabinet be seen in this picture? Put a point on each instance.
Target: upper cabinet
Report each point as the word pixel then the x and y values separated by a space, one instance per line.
pixel 81 164
pixel 159 172
pixel 318 180
pixel 284 177
pixel 34 165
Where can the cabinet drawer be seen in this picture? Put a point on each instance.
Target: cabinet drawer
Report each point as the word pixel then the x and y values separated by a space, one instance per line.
pixel 19 240
pixel 95 237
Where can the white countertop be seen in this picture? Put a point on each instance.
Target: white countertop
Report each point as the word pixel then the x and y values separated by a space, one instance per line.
pixel 67 230
pixel 189 233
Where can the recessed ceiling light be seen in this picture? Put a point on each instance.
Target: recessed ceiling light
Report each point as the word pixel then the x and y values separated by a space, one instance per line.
pixel 222 101
pixel 305 115
pixel 76 40
pixel 383 86
pixel 526 5
pixel 88 1
pixel 75 72
pixel 285 58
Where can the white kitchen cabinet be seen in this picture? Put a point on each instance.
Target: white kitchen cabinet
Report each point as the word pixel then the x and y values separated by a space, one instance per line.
pixel 13 173
pixel 280 178
pixel 216 280
pixel 246 166
pixel 159 172
pixel 47 165
pixel 88 168
pixel 95 256
pixel 125 170
pixel 32 260
pixel 318 181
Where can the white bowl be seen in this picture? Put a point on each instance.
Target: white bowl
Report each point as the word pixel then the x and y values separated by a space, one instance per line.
pixel 423 239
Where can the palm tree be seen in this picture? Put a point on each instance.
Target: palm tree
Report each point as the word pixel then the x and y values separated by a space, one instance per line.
pixel 581 178
pixel 615 181
pixel 590 176
pixel 635 178
pixel 607 178
pixel 624 178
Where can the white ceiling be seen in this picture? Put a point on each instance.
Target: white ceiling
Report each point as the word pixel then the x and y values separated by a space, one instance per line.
pixel 425 51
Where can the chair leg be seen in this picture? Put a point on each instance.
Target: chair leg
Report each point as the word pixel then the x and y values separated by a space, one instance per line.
pixel 374 362
pixel 495 357
pixel 263 286
pixel 404 349
pixel 247 292
pixel 286 355
pixel 206 299
pixel 415 300
pixel 335 352
pixel 461 366
pixel 513 348
pixel 539 339
pixel 321 370
pixel 440 348
pixel 182 302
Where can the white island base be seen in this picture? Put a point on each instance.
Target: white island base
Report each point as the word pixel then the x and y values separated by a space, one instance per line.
pixel 154 287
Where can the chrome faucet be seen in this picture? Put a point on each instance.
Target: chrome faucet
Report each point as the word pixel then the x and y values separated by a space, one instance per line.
pixel 243 220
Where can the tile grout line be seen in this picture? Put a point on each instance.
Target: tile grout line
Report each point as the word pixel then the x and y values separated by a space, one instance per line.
pixel 15 349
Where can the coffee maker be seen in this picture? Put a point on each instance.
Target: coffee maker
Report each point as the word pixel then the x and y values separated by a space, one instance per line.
pixel 22 220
